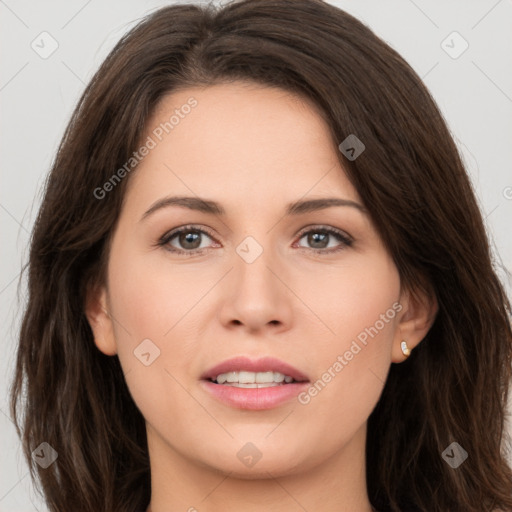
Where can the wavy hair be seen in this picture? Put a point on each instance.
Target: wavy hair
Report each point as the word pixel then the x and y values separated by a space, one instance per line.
pixel 412 180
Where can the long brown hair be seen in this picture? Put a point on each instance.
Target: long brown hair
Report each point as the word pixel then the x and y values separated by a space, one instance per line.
pixel 454 386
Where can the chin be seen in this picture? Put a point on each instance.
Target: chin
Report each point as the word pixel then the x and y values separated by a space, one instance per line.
pixel 247 462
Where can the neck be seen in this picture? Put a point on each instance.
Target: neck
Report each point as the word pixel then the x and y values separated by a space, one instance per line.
pixel 178 483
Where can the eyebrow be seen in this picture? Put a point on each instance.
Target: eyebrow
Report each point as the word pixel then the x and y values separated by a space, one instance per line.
pixel 214 208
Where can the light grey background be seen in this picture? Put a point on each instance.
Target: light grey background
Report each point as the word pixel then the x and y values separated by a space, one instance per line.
pixel 474 92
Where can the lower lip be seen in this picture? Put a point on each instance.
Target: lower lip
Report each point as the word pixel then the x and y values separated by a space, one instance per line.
pixel 254 398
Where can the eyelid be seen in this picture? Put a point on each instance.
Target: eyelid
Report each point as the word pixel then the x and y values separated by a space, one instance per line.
pixel 166 238
pixel 328 229
pixel 345 238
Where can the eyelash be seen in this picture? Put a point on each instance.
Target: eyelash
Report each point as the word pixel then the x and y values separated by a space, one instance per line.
pixel 340 235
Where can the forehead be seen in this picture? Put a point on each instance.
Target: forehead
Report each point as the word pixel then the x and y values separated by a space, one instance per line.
pixel 239 140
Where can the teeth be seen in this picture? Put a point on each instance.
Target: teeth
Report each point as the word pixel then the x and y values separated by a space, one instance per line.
pixel 252 385
pixel 251 379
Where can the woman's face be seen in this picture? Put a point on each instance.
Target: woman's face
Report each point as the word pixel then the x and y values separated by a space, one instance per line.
pixel 262 279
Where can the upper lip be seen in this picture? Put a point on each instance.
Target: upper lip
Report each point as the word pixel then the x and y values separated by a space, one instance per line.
pixel 264 364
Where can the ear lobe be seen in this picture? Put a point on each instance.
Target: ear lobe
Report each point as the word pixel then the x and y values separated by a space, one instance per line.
pixel 417 316
pixel 100 320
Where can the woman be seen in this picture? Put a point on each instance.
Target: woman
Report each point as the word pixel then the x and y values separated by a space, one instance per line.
pixel 259 279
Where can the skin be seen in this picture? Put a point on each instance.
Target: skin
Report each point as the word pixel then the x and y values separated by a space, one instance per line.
pixel 253 149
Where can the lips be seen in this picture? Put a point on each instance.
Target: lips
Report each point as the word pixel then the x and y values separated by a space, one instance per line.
pixel 265 364
pixel 262 384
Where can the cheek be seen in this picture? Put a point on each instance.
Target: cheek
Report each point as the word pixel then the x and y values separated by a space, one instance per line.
pixel 152 297
pixel 348 299
pixel 150 313
pixel 152 346
pixel 359 305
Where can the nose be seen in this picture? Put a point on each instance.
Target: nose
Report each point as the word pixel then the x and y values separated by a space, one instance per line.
pixel 256 296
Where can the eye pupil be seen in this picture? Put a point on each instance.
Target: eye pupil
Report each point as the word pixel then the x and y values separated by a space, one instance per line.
pixel 318 237
pixel 190 238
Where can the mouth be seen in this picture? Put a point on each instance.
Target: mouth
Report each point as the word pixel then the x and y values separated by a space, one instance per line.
pixel 246 379
pixel 254 384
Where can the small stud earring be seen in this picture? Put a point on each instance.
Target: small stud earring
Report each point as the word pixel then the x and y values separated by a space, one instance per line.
pixel 405 349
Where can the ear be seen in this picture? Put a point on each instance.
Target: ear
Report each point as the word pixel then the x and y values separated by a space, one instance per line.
pixel 419 310
pixel 97 314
